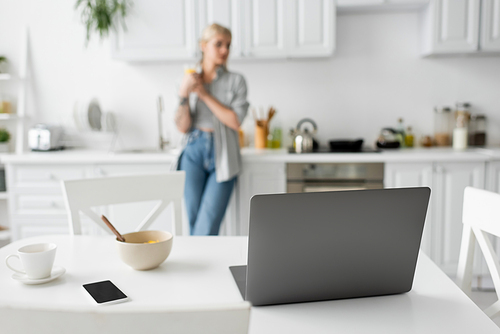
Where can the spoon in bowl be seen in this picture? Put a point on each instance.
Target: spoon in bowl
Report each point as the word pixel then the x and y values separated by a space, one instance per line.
pixel 112 228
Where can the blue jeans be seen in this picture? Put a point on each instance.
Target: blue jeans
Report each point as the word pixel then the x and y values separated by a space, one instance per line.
pixel 206 199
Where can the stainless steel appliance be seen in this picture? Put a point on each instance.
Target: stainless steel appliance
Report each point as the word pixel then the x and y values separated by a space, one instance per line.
pixel 303 141
pixel 314 177
pixel 44 137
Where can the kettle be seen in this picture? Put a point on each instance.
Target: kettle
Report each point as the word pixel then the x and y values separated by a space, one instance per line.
pixel 303 141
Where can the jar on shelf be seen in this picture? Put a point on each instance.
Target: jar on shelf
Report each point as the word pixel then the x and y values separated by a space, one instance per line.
pixel 5 104
pixel 443 125
pixel 460 132
pixel 477 130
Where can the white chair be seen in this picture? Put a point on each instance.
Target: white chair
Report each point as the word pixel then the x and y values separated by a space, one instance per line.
pixel 481 215
pixel 82 195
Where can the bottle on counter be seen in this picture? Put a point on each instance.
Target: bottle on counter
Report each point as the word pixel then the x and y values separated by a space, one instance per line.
pixel 443 126
pixel 477 130
pixel 409 138
pixel 460 132
pixel 276 137
pixel 400 130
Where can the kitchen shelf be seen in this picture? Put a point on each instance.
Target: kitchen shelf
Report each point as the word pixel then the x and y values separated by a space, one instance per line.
pixel 3 195
pixel 10 117
pixel 5 76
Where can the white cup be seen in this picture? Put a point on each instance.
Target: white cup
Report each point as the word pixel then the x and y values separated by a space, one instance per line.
pixel 37 260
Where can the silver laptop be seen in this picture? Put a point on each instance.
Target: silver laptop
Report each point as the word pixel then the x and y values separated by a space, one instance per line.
pixel 332 245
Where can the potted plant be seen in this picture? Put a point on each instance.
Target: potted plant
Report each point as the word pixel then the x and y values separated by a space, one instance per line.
pixel 4 140
pixel 102 15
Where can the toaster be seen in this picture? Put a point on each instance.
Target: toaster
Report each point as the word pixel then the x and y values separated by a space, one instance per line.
pixel 44 137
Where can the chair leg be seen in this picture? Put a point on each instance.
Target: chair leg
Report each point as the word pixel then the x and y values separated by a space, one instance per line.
pixel 466 260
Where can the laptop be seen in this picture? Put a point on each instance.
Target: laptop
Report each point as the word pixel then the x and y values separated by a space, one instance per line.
pixel 332 245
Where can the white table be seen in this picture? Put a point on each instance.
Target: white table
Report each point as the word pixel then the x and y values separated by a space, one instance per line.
pixel 196 273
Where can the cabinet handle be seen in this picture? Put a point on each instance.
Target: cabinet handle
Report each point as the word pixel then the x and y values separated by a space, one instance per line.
pixel 54 204
pixel 53 177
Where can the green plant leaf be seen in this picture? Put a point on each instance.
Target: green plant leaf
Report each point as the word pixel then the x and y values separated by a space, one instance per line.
pixel 102 15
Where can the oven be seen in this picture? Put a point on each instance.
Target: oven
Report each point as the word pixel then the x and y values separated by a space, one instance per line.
pixel 315 177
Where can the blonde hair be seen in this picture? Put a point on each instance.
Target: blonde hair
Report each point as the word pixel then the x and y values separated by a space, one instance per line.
pixel 210 31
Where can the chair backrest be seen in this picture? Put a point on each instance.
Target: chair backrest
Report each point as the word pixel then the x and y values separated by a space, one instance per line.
pixel 82 195
pixel 481 215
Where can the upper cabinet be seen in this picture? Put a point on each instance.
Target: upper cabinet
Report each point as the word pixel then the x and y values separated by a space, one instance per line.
pixel 224 12
pixel 312 28
pixel 266 28
pixel 171 30
pixel 461 27
pixel 157 30
pixel 283 28
pixel 490 28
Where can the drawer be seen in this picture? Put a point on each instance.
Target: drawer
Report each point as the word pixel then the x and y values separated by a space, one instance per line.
pixel 47 204
pixel 45 176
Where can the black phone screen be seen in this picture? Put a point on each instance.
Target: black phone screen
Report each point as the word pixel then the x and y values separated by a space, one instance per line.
pixel 104 292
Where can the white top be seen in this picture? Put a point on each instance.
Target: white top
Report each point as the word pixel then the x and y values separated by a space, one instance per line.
pixel 196 273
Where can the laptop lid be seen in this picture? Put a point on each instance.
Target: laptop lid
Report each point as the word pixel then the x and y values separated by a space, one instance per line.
pixel 333 245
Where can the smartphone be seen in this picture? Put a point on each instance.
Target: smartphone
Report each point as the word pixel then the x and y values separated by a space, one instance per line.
pixel 105 292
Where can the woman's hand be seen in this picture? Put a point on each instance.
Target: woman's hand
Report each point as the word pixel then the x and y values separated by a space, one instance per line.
pixel 188 83
pixel 199 89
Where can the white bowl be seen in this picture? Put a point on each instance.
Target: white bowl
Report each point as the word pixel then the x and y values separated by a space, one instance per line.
pixel 141 255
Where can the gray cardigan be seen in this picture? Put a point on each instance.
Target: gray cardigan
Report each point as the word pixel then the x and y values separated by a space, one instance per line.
pixel 230 89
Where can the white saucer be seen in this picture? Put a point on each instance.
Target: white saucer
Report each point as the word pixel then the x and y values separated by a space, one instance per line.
pixel 56 272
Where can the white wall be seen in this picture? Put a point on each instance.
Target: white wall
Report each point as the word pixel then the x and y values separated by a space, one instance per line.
pixel 375 76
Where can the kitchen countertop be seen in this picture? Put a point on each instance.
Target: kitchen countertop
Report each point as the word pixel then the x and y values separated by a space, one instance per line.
pixel 258 155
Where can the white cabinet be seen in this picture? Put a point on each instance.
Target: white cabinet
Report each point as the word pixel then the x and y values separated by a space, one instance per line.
pixel 443 231
pixel 170 30
pixel 257 178
pixel 449 183
pixel 312 28
pixel 157 30
pixel 35 197
pixel 226 13
pixel 490 27
pixel 36 203
pixel 280 28
pixel 398 175
pixel 461 27
pixel 451 26
pixel 266 28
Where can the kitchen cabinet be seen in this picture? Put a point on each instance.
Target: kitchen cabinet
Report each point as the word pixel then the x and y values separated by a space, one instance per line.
pixel 157 30
pixel 346 6
pixel 397 175
pixel 171 30
pixel 226 13
pixel 35 197
pixel 490 27
pixel 461 27
pixel 449 184
pixel 279 28
pixel 36 202
pixel 312 28
pixel 443 231
pixel 257 178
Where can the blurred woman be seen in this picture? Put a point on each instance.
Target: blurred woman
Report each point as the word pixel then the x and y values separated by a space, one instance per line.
pixel 212 105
